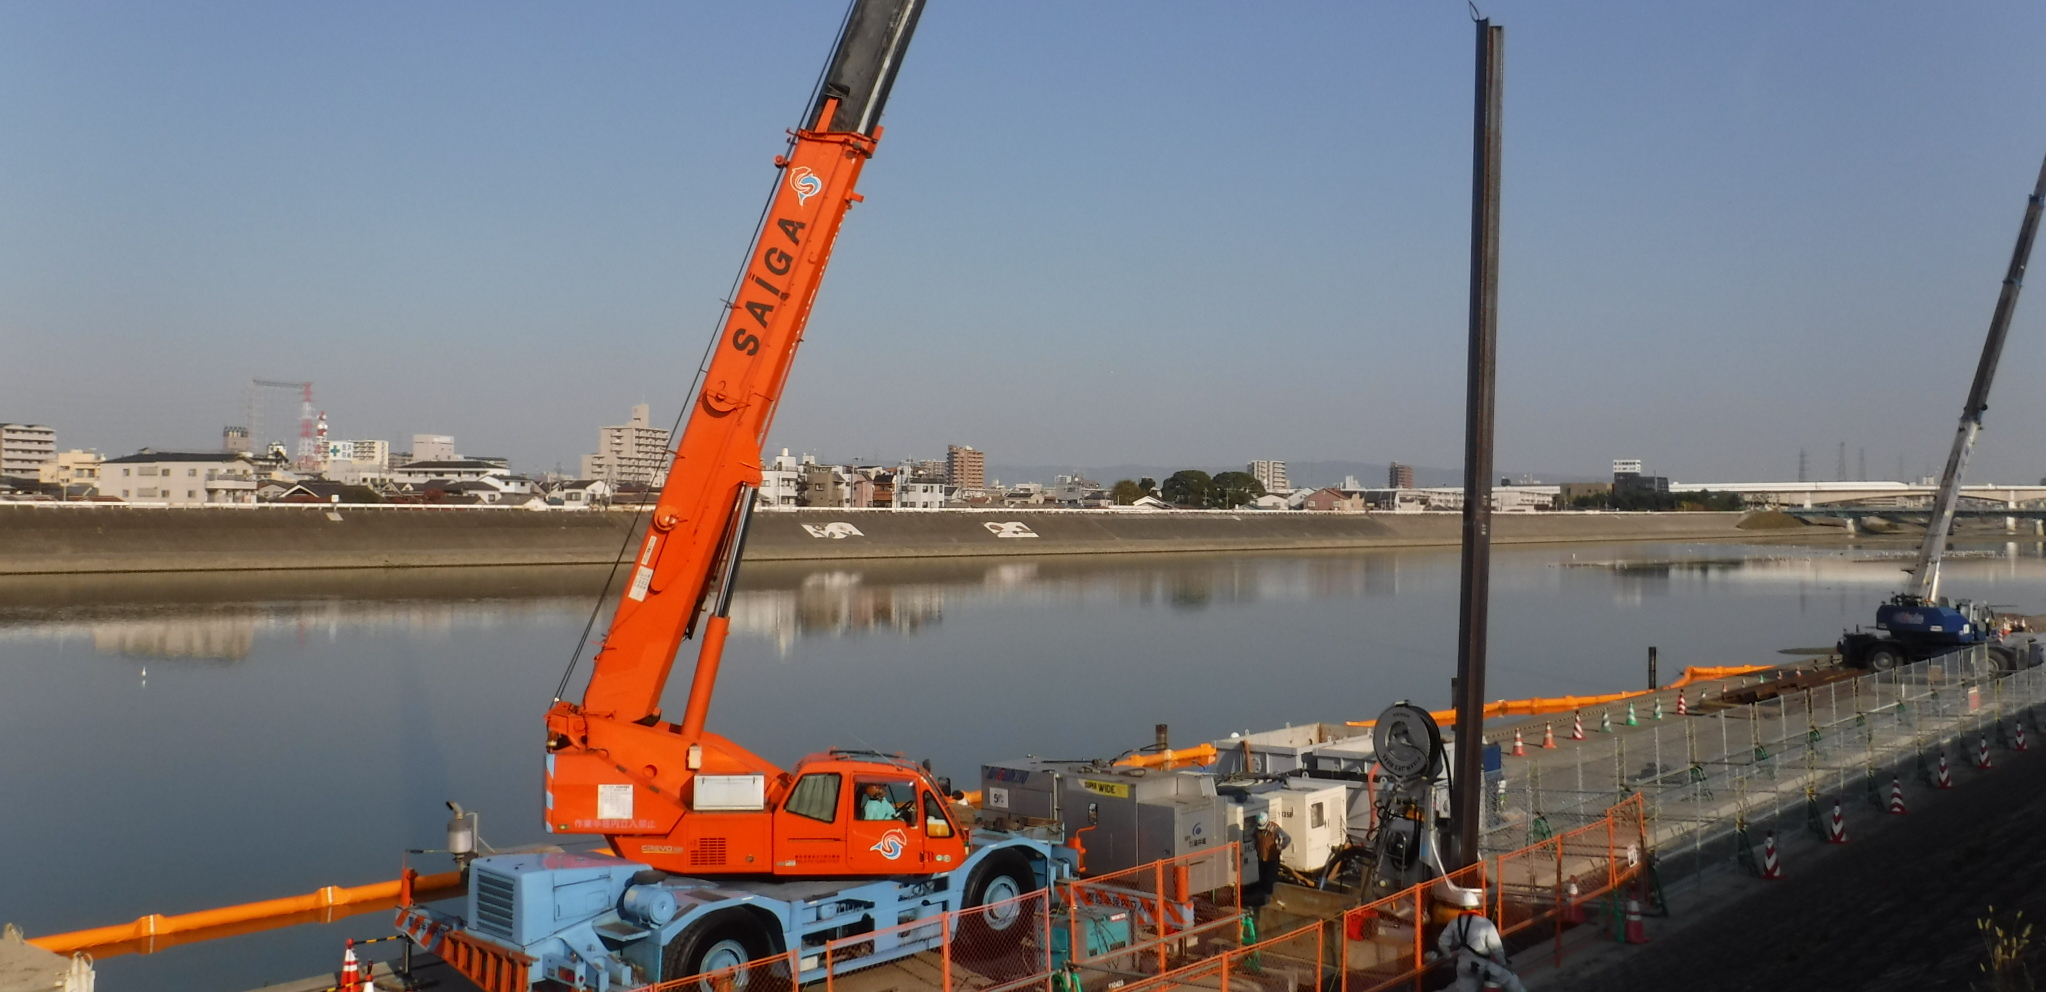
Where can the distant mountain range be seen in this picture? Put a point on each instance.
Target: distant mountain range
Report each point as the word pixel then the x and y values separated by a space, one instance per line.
pixel 1301 474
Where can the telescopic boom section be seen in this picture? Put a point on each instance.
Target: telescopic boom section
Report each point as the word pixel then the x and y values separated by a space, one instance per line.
pixel 698 521
pixel 1925 577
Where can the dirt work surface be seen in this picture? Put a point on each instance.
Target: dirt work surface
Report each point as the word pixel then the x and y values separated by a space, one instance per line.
pixel 1895 909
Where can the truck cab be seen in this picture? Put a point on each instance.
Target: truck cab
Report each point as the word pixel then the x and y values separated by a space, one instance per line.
pixel 864 817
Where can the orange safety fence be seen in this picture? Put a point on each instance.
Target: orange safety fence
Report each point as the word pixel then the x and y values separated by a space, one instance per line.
pixel 1557 704
pixel 1166 901
pixel 1290 962
pixel 157 932
pixel 1185 918
pixel 1386 942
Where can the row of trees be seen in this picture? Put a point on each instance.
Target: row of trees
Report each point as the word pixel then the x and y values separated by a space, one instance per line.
pixel 1648 500
pixel 1192 489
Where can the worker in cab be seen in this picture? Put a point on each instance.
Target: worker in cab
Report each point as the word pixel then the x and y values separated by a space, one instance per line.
pixel 1474 942
pixel 874 804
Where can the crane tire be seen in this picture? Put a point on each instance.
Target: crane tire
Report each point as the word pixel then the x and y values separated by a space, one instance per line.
pixel 1881 658
pixel 719 942
pixel 2006 659
pixel 988 935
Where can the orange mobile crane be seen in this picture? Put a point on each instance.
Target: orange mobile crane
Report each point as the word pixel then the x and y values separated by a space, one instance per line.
pixel 845 840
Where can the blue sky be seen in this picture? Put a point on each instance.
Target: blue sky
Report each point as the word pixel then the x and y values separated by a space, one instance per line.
pixel 1184 233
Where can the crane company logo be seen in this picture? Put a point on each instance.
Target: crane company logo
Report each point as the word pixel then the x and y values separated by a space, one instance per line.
pixel 891 844
pixel 1013 528
pixel 805 183
pixel 1911 617
pixel 837 530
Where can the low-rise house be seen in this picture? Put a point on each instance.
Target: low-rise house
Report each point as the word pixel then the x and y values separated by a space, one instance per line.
pixel 579 494
pixel 1331 500
pixel 325 491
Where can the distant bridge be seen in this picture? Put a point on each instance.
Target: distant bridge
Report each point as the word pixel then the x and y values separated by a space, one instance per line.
pixel 1869 497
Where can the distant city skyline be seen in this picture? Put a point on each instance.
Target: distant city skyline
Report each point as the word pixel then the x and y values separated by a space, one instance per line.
pixel 1730 232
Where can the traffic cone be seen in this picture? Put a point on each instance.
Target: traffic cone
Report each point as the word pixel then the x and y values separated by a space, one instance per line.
pixel 1772 869
pixel 351 971
pixel 1658 707
pixel 1982 752
pixel 1682 708
pixel 1897 797
pixel 1549 736
pixel 1836 831
pixel 1519 746
pixel 1605 721
pixel 1943 780
pixel 1632 721
pixel 1636 934
pixel 2018 742
pixel 1573 911
pixel 1577 726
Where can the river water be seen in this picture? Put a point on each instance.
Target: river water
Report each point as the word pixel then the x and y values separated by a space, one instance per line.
pixel 179 743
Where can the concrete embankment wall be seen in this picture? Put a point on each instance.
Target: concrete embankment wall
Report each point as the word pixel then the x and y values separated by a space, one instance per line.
pixel 44 539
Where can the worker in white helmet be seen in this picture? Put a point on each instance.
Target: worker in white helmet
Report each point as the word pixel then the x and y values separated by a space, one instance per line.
pixel 1474 942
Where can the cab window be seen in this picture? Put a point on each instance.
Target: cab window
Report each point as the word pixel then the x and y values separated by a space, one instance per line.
pixel 935 823
pixel 881 799
pixel 815 796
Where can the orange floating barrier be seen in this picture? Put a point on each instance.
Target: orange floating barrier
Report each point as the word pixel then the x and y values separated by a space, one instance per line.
pixel 1557 704
pixel 156 932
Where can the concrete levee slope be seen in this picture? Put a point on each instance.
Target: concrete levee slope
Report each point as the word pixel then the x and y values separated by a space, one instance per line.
pixel 826 534
pixel 55 539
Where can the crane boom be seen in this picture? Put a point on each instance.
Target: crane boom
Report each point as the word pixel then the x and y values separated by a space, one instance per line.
pixel 1925 575
pixel 693 523
pixel 671 793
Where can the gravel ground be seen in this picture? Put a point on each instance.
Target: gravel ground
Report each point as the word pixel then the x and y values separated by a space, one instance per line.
pixel 1896 909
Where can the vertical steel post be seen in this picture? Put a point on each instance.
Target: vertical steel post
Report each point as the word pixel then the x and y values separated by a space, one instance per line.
pixel 1654 682
pixel 1466 802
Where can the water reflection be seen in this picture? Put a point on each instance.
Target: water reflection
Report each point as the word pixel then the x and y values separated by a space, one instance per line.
pixel 334 712
pixel 219 638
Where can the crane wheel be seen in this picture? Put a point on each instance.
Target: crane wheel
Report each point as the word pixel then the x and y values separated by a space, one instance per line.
pixel 995 918
pixel 2006 659
pixel 1882 658
pixel 718 943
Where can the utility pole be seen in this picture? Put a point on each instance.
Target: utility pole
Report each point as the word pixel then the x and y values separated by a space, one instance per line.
pixel 1840 473
pixel 1466 800
pixel 1800 465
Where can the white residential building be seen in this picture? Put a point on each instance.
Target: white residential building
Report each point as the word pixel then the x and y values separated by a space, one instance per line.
pixel 24 448
pixel 634 451
pixel 180 478
pixel 919 495
pixel 453 470
pixel 1271 475
pixel 781 480
pixel 433 448
pixel 358 462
